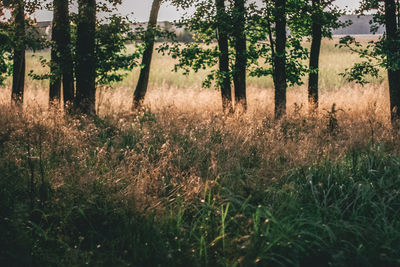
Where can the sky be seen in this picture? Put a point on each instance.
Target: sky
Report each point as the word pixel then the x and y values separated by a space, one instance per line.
pixel 141 10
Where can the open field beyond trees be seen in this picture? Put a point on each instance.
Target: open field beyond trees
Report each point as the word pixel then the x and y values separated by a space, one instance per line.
pixel 178 183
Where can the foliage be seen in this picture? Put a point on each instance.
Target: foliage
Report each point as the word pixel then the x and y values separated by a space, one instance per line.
pixel 328 14
pixel 201 54
pixel 110 50
pixel 112 60
pixel 259 29
pixel 373 54
pixel 8 40
pixel 377 54
pixel 262 43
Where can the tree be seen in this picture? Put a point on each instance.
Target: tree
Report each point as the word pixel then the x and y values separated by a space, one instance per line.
pixel 55 64
pixel 283 55
pixel 280 59
pixel 384 53
pixel 149 38
pixel 61 55
pixel 255 32
pixel 18 77
pixel 316 18
pixel 393 59
pixel 85 56
pixel 316 33
pixel 108 62
pixel 239 72
pixel 223 45
pixel 224 22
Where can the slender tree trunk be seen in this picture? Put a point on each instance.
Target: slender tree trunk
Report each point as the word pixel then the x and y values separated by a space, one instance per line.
pixel 55 63
pixel 393 56
pixel 17 95
pixel 61 57
pixel 143 82
pixel 67 65
pixel 280 59
pixel 314 56
pixel 223 45
pixel 398 13
pixel 239 76
pixel 86 63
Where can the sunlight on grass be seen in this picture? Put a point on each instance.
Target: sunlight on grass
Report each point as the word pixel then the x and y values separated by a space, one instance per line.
pixel 178 183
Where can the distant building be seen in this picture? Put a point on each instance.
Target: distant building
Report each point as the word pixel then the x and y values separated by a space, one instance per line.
pixel 44 28
pixel 360 26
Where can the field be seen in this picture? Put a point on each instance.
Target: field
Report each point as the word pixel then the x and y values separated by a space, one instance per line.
pixel 180 184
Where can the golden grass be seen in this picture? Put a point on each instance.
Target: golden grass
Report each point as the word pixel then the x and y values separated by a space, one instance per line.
pixel 194 115
pixel 185 111
pixel 180 160
pixel 353 99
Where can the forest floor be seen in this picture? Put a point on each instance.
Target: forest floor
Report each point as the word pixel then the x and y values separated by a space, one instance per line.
pixel 181 184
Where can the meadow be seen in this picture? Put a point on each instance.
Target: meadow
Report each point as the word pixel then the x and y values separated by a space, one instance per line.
pixel 178 183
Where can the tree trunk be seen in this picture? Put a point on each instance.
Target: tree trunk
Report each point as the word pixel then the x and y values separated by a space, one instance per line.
pixel 86 63
pixel 225 82
pixel 239 75
pixel 19 54
pixel 314 56
pixel 280 59
pixel 67 65
pixel 393 56
pixel 55 64
pixel 61 57
pixel 143 82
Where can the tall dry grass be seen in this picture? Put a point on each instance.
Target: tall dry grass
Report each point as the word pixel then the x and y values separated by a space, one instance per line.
pixel 175 118
pixel 179 182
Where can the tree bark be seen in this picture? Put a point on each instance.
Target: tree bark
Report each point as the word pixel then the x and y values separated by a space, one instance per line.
pixel 55 64
pixel 61 56
pixel 393 56
pixel 67 65
pixel 239 75
pixel 86 62
pixel 280 59
pixel 223 45
pixel 18 81
pixel 314 56
pixel 143 82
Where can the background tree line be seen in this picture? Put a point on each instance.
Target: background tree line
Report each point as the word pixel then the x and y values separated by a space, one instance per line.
pixel 240 37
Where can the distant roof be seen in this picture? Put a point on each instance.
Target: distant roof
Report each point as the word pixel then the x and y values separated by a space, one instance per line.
pixel 43 24
pixel 360 25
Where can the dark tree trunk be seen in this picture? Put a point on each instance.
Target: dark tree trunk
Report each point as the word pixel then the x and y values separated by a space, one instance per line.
pixel 280 59
pixel 314 56
pixel 239 75
pixel 86 63
pixel 67 66
pixel 18 81
pixel 398 13
pixel 225 83
pixel 393 56
pixel 143 82
pixel 61 57
pixel 55 64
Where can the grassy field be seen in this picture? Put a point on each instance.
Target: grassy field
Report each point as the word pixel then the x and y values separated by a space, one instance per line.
pixel 180 184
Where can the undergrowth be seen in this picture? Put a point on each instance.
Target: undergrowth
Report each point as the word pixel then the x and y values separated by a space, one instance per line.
pixel 171 189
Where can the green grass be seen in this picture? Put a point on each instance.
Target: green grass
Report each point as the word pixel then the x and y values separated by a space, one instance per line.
pixel 149 192
pixel 183 185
